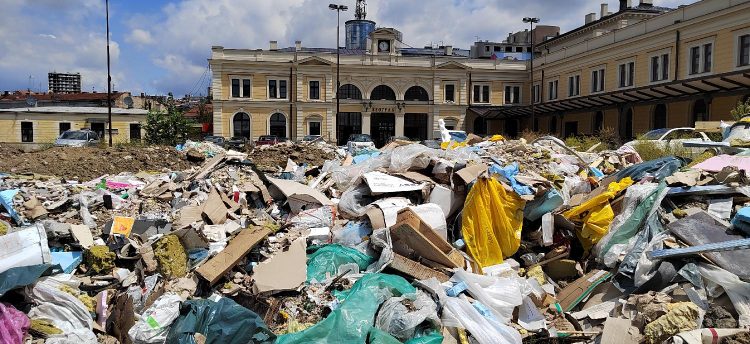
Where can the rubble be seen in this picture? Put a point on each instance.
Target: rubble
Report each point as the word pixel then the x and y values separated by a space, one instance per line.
pixel 484 241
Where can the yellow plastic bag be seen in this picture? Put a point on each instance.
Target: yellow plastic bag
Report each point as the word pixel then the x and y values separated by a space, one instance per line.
pixel 496 138
pixel 596 214
pixel 452 145
pixel 491 222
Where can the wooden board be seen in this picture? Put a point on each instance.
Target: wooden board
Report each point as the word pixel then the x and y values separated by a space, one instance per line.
pixel 701 229
pixel 417 235
pixel 415 270
pixel 238 247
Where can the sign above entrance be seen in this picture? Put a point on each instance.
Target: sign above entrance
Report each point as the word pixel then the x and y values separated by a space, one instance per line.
pixel 383 109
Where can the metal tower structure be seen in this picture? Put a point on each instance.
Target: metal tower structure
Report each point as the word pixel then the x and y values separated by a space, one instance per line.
pixel 360 13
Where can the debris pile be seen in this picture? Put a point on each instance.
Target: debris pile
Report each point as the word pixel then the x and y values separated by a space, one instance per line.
pixel 483 241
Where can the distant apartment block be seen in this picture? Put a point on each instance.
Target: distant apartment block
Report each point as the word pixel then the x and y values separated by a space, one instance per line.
pixel 65 82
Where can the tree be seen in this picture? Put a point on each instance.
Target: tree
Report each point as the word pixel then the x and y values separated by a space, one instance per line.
pixel 167 127
pixel 740 110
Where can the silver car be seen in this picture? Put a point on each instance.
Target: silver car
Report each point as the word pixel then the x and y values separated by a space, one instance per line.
pixel 77 138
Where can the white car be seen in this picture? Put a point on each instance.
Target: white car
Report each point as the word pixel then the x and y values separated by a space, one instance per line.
pixel 675 138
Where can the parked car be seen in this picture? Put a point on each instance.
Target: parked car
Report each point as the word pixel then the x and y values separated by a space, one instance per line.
pixel 267 140
pixel 77 138
pixel 237 143
pixel 217 140
pixel 358 142
pixel 674 138
pixel 312 138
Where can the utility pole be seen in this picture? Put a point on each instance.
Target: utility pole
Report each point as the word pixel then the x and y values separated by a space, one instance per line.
pixel 531 22
pixel 338 9
pixel 109 79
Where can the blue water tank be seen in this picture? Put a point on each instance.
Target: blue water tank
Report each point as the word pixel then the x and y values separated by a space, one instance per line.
pixel 357 32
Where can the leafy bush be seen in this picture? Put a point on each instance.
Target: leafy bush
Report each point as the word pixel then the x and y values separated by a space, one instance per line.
pixel 167 127
pixel 650 150
pixel 740 110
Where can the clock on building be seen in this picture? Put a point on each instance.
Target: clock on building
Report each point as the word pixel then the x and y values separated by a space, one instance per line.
pixel 384 46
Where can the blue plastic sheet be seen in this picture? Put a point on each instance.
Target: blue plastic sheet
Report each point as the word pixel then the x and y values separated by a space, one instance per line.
pixel 548 202
pixel 510 172
pixel 6 200
pixel 224 322
pixel 22 276
pixel 659 168
pixel 741 220
pixel 69 261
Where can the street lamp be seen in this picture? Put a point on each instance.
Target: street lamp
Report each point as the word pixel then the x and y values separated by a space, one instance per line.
pixel 338 9
pixel 531 21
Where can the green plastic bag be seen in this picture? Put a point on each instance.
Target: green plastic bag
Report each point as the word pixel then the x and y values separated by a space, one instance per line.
pixel 354 318
pixel 378 336
pixel 326 260
pixel 224 322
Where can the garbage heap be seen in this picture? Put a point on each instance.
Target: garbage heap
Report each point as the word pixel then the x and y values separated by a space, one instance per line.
pixel 484 241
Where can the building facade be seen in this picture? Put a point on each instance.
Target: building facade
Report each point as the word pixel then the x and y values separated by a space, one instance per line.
pixel 641 68
pixel 387 89
pixel 64 82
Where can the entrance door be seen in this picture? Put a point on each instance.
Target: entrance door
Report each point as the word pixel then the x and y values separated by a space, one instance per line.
pixel 382 127
pixel 415 126
pixel 347 123
pixel 99 129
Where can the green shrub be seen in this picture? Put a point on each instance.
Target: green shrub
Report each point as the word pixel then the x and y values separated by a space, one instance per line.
pixel 650 150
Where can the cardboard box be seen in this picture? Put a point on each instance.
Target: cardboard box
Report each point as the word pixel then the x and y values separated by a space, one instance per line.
pixel 238 248
pixel 577 291
pixel 414 233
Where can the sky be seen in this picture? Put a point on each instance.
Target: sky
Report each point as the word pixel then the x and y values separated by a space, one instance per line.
pixel 160 46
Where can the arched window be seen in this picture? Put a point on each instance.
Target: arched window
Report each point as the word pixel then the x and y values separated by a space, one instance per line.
pixel 700 111
pixel 598 121
pixel 417 93
pixel 349 91
pixel 241 125
pixel 383 92
pixel 660 116
pixel 277 125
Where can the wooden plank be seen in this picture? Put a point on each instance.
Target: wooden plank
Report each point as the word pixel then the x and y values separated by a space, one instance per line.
pixel 238 247
pixel 417 235
pixel 415 270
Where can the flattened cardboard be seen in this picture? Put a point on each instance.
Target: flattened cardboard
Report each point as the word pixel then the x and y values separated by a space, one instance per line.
pixel 82 233
pixel 621 331
pixel 122 225
pixel 381 183
pixel 299 196
pixel 214 209
pixel 575 292
pixel 471 173
pixel 412 232
pixel 189 214
pixel 415 270
pixel 238 248
pixel 293 264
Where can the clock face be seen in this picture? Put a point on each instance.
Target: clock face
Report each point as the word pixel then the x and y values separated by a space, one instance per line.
pixel 384 46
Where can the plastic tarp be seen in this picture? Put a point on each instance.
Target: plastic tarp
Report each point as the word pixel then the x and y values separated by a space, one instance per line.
pixel 510 172
pixel 354 318
pixel 500 294
pixel 154 322
pixel 378 336
pixel 6 200
pixel 596 214
pixel 60 308
pixel 324 263
pixel 491 222
pixel 14 324
pixel 659 168
pixel 23 248
pixel 25 275
pixel 403 322
pixel 224 322
pixel 460 313
pixel 737 289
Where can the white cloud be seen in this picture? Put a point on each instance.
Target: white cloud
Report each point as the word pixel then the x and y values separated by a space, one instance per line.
pixel 140 37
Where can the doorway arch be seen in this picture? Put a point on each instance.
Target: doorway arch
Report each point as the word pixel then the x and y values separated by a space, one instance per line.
pixel 277 125
pixel 383 92
pixel 241 125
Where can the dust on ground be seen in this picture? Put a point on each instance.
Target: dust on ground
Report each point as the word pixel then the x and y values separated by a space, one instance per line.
pixel 271 158
pixel 87 163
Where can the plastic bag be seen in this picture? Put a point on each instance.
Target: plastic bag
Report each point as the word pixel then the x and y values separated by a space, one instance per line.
pixel 491 222
pixel 413 156
pixel 224 322
pixel 323 264
pixel 510 172
pixel 14 324
pixel 155 321
pixel 378 336
pixel 352 234
pixel 659 168
pixel 737 290
pixel 353 202
pixel 501 295
pixel 314 218
pixel 404 322
pixel 354 318
pixel 6 200
pixel 596 214
pixel 25 275
pixel 460 313
pixel 63 310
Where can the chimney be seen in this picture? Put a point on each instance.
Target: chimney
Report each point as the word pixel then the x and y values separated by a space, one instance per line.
pixel 591 17
pixel 297 45
pixel 449 50
pixel 605 10
pixel 625 4
pixel 647 3
pixel 274 45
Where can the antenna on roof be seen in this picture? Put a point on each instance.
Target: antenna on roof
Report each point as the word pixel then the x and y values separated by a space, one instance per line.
pixel 31 101
pixel 128 102
pixel 360 13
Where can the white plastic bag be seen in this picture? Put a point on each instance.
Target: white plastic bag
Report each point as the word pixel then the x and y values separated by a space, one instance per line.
pixel 414 156
pixel 154 323
pixel 499 294
pixel 62 309
pixel 460 313
pixel 737 290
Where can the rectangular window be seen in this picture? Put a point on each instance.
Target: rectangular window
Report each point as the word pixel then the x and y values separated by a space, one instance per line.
pixel 477 91
pixel 135 132
pixel 512 94
pixel 552 86
pixel 695 60
pixel 63 127
pixel 277 89
pixel 481 93
pixel 314 128
pixel 246 88
pixel 235 88
pixel 27 132
pixel 536 95
pixel 574 85
pixel 626 74
pixel 485 94
pixel 707 57
pixel 314 91
pixel 240 87
pixel 597 80
pixel 744 51
pixel 450 92
pixel 659 67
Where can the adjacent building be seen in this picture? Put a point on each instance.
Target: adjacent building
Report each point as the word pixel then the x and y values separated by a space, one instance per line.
pixel 64 82
pixel 640 68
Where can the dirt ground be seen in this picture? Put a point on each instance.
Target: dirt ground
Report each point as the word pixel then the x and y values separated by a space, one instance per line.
pixel 270 158
pixel 86 163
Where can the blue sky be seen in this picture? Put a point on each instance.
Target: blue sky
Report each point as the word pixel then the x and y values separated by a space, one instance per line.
pixel 161 46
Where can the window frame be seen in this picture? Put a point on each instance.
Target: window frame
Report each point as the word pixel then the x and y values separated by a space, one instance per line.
pixel 482 86
pixel 511 95
pixel 70 127
pixel 662 73
pixel 314 120
pixel 553 86
pixel 21 131
pixel 599 80
pixel 536 93
pixel 738 35
pixel 701 48
pixel 574 80
pixel 629 68
pixel 309 90
pixel 278 88
pixel 445 92
pixel 241 78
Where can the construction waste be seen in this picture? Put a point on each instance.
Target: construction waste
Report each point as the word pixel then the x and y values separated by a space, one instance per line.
pixel 485 241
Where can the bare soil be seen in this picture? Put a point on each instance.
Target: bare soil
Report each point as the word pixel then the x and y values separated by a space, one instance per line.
pixel 271 158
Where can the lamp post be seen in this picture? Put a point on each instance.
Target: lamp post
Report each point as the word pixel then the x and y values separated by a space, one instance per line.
pixel 338 9
pixel 531 21
pixel 109 80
